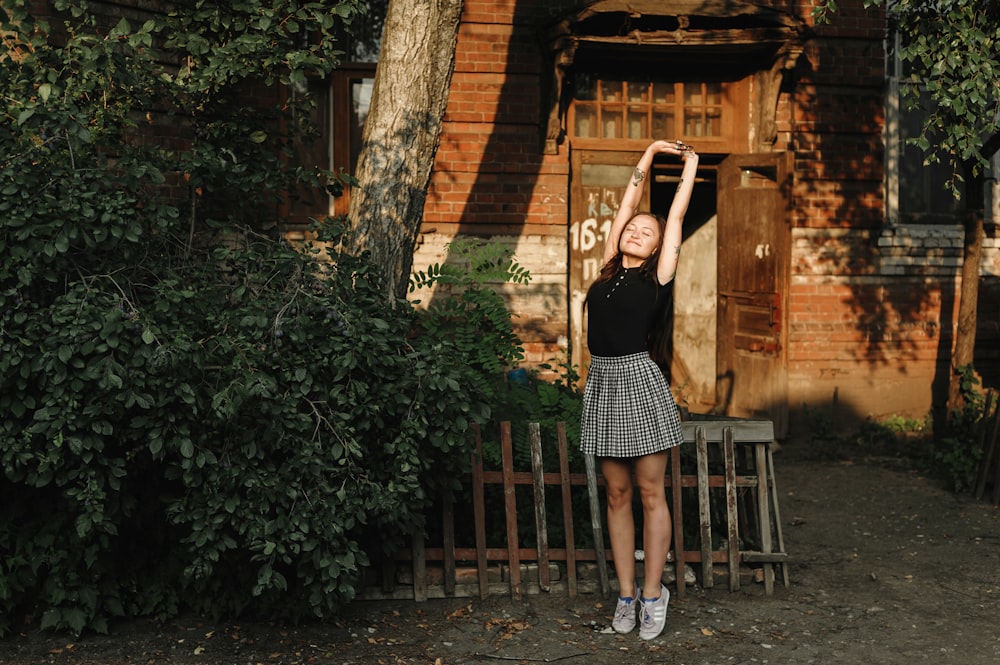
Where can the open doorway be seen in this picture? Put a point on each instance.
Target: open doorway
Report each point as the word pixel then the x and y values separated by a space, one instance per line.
pixel 599 178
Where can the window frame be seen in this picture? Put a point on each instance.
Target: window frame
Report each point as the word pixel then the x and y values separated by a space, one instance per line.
pixel 896 185
pixel 733 106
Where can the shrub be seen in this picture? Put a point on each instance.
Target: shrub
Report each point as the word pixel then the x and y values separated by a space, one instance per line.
pixel 228 438
pixel 959 447
pixel 193 413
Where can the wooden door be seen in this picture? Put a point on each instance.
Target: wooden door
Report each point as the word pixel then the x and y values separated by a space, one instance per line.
pixel 754 248
pixel 598 181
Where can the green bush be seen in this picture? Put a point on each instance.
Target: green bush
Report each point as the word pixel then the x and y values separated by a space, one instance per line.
pixel 959 447
pixel 193 413
pixel 226 440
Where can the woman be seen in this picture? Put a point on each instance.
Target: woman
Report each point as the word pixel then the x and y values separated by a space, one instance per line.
pixel 630 419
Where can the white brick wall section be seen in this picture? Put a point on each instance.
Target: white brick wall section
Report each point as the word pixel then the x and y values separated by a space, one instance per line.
pixel 901 249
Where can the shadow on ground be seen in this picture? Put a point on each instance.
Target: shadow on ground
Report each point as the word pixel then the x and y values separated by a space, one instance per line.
pixel 886 567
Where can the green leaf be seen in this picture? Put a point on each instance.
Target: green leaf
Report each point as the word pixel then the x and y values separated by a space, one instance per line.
pixel 25 115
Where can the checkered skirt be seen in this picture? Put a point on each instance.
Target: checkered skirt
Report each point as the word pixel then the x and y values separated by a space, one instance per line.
pixel 628 409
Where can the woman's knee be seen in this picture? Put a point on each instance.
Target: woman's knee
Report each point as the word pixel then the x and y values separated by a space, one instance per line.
pixel 653 498
pixel 619 496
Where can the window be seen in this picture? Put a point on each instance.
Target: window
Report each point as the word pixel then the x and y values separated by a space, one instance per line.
pixel 915 193
pixel 615 108
pixel 341 109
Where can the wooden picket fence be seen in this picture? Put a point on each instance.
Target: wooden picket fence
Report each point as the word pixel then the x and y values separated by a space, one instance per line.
pixel 733 478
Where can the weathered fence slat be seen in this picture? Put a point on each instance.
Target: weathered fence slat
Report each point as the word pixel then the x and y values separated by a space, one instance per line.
pixel 732 515
pixel 764 515
pixel 419 568
pixel 704 509
pixel 479 515
pixel 567 503
pixel 772 481
pixel 541 524
pixel 510 505
pixel 595 523
pixel 448 515
pixel 677 487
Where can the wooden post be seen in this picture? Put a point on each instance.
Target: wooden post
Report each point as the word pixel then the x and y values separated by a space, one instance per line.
pixel 595 524
pixel 764 517
pixel 567 502
pixel 704 510
pixel 732 514
pixel 510 505
pixel 541 525
pixel 988 442
pixel 677 512
pixel 479 511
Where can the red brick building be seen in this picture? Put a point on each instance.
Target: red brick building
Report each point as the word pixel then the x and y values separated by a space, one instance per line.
pixel 818 271
pixel 821 262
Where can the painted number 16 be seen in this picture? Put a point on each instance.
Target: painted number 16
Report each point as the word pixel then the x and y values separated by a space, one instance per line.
pixel 585 235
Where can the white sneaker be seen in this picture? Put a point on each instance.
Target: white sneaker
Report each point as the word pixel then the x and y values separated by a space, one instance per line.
pixel 653 615
pixel 624 621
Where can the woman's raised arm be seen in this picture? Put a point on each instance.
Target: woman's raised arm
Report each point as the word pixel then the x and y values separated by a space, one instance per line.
pixel 633 192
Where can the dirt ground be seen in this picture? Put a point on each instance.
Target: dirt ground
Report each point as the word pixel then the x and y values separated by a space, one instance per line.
pixel 886 567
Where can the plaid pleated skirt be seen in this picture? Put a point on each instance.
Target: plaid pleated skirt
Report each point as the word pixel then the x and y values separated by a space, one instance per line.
pixel 628 409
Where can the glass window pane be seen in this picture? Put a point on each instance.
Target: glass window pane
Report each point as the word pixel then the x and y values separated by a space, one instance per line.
pixel 611 125
pixel 364 38
pixel 692 94
pixel 636 123
pixel 586 121
pixel 630 109
pixel 361 96
pixel 663 125
pixel 694 125
pixel 611 91
pixel 663 93
pixel 637 92
pixel 713 123
pixel 713 94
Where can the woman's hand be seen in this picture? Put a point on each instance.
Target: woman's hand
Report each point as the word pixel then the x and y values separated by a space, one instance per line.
pixel 677 148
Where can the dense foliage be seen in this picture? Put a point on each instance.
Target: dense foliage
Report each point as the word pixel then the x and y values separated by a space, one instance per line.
pixel 194 413
pixel 951 51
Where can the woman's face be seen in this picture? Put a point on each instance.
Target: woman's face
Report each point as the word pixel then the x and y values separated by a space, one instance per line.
pixel 641 237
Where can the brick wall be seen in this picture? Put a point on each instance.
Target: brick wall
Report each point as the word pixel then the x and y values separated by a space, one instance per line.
pixel 871 308
pixel 490 177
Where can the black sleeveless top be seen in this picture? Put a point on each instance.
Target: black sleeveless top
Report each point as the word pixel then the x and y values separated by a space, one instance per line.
pixel 621 312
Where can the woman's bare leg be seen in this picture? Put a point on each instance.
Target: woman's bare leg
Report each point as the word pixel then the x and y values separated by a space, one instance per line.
pixel 650 472
pixel 621 523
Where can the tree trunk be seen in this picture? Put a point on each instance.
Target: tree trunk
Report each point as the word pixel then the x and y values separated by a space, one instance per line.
pixel 965 334
pixel 402 133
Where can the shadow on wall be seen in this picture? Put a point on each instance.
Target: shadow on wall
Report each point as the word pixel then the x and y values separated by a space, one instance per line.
pixel 506 171
pixel 887 295
pixel 884 308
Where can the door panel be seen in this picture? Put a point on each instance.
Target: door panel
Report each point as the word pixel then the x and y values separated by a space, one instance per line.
pixel 753 264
